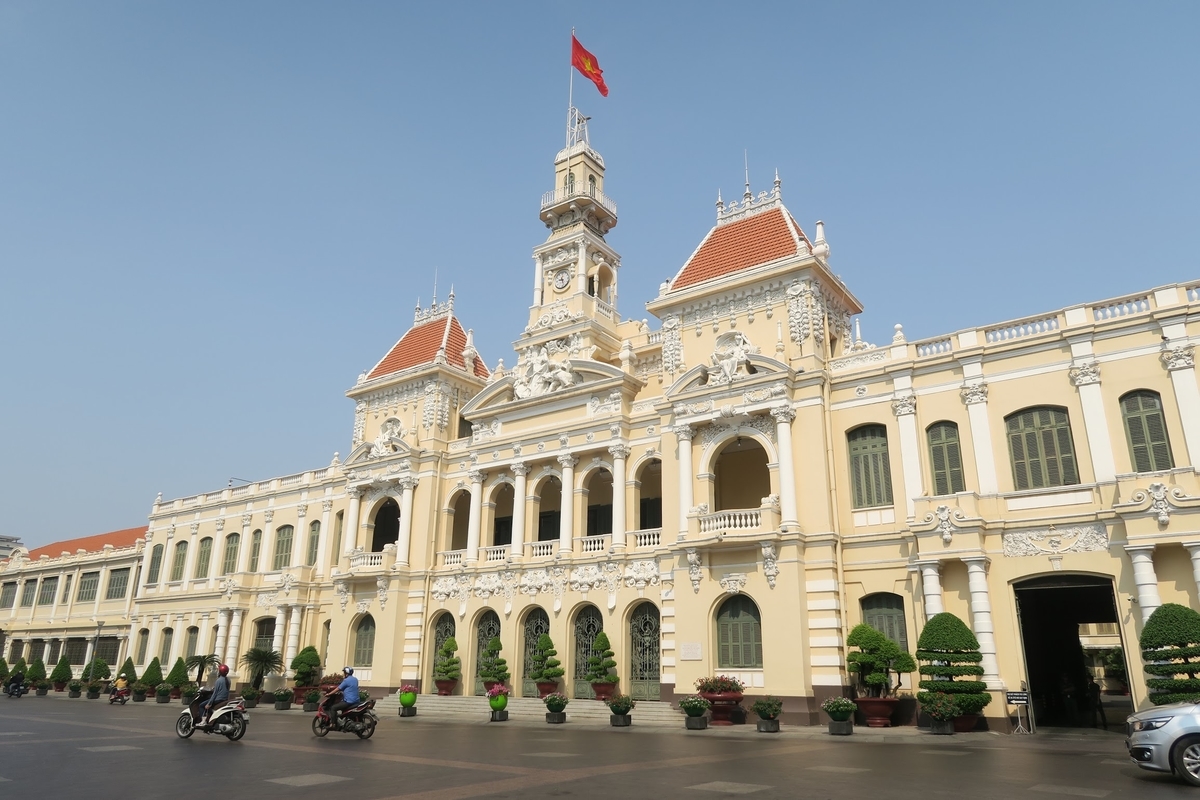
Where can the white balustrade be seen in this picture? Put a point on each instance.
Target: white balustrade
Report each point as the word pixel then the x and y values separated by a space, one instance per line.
pixel 742 519
pixel 362 560
pixel 1122 308
pixel 238 491
pixel 452 558
pixel 290 480
pixel 497 553
pixel 320 474
pixel 1193 293
pixel 654 337
pixel 542 549
pixel 264 486
pixel 1022 329
pixel 594 544
pixel 933 347
pixel 578 189
pixel 644 539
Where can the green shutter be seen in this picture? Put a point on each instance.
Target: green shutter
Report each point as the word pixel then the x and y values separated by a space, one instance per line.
pixel 869 469
pixel 945 459
pixel 1146 431
pixel 739 634
pixel 1041 449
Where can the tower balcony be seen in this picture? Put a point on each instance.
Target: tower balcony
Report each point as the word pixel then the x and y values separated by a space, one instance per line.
pixel 582 198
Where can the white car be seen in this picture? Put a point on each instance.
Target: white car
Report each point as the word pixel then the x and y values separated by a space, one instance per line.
pixel 1167 739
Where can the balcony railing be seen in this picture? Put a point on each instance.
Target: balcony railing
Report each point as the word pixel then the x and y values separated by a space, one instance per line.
pixel 542 549
pixel 498 553
pixel 741 519
pixel 646 539
pixel 578 189
pixel 452 558
pixel 595 544
pixel 363 560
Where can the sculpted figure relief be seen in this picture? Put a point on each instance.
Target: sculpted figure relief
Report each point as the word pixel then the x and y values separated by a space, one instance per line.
pixel 540 375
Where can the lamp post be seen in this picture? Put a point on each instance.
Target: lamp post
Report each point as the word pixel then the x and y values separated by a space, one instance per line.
pixel 95 647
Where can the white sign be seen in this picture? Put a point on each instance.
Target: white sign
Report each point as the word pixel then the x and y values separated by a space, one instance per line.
pixel 690 651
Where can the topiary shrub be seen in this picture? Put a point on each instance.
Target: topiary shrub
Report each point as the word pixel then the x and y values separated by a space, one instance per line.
pixel 545 668
pixel 3 668
pixel 491 666
pixel 98 670
pixel 954 651
pixel 130 673
pixel 20 667
pixel 875 660
pixel 37 671
pixel 446 665
pixel 62 671
pixel 153 675
pixel 1170 644
pixel 306 666
pixel 178 675
pixel 600 664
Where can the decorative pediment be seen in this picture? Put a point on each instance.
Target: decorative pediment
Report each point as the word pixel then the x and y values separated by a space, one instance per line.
pixel 384 446
pixel 586 379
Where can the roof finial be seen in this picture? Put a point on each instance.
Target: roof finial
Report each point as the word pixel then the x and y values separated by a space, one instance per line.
pixel 450 299
pixel 777 182
pixel 434 288
pixel 746 161
pixel 720 202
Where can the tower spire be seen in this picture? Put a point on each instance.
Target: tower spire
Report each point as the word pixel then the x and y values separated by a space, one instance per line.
pixel 746 162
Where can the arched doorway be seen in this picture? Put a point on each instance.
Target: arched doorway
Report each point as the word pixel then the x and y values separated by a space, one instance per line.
pixel 387 525
pixel 588 623
pixel 644 652
pixel 599 503
pixel 443 629
pixel 536 623
pixel 460 518
pixel 741 476
pixel 502 515
pixel 550 496
pixel 650 495
pixel 486 629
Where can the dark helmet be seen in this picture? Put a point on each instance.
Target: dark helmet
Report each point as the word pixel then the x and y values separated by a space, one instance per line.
pixel 347 670
pixel 223 669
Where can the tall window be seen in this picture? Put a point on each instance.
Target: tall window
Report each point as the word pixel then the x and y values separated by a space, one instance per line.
pixel 283 547
pixel 314 541
pixel 739 634
pixel 89 583
pixel 945 458
pixel 229 562
pixel 264 633
pixel 1146 432
pixel 8 595
pixel 48 590
pixel 192 641
pixel 28 593
pixel 66 595
pixel 164 652
pixel 336 550
pixel 118 584
pixel 885 613
pixel 255 549
pixel 1039 443
pixel 178 563
pixel 143 641
pixel 156 557
pixel 203 558
pixel 869 469
pixel 364 642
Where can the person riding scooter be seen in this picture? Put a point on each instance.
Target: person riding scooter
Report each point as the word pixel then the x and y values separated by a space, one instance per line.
pixel 15 681
pixel 349 689
pixel 220 695
pixel 118 685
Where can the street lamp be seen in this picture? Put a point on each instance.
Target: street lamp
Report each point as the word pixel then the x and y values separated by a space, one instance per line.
pixel 95 646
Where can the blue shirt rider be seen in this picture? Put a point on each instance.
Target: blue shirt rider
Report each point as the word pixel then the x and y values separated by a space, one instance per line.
pixel 349 689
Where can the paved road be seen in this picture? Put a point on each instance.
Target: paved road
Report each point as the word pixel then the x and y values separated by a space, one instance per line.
pixel 52 747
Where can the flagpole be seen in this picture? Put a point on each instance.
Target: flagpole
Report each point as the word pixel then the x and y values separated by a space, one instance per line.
pixel 570 87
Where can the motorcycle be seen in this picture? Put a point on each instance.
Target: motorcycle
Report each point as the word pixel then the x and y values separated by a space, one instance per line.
pixel 119 696
pixel 359 720
pixel 230 719
pixel 13 690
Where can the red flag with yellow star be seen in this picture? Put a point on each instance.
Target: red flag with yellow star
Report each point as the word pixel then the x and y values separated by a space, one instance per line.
pixel 585 62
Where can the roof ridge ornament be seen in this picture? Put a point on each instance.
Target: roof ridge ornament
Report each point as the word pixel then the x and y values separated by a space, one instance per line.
pixel 435 311
pixel 750 206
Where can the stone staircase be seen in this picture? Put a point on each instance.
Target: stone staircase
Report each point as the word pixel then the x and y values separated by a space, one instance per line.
pixel 475 709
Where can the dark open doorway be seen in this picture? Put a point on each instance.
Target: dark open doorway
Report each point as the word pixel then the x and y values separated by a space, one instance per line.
pixel 1071 635
pixel 387 525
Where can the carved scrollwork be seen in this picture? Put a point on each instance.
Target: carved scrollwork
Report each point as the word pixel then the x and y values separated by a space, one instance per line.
pixel 1055 541
pixel 945 517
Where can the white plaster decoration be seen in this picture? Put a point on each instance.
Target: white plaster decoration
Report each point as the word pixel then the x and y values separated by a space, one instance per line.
pixel 537 374
pixel 1055 541
pixel 640 574
pixel 227 587
pixel 436 406
pixel 1178 357
pixel 974 393
pixel 1145 578
pixel 286 581
pixel 762 423
pixel 326 506
pixel 483 431
pixel 905 404
pixel 784 413
pixel 931 588
pixel 267 600
pixel 546 581
pixel 1160 497
pixel 1085 374
pixel 268 516
pixel 672 344
pixel 733 582
pixel 609 405
pixel 556 313
pixel 362 606
pixel 343 593
pixel 770 563
pixel 381 589
pixel 694 572
pixel 220 525
pixel 360 423
pixel 494 584
pixel 945 521
pixel 691 409
pixel 805 312
pixel 382 446
pixel 731 358
pixel 763 394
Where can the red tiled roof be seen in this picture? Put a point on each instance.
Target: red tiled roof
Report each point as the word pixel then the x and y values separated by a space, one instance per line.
pixel 741 245
pixel 421 344
pixel 122 538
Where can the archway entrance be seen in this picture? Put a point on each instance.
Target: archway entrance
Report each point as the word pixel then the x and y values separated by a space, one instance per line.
pixel 387 525
pixel 443 629
pixel 588 623
pixel 486 629
pixel 1071 635
pixel 536 624
pixel 644 650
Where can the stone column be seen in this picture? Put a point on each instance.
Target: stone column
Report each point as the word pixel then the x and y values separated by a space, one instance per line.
pixel 101 588
pixel 1085 376
pixel 905 409
pixel 787 470
pixel 981 619
pixel 404 540
pixel 323 547
pixel 280 623
pixel 1194 552
pixel 475 519
pixel 152 643
pixel 931 587
pixel 219 646
pixel 1145 578
pixel 566 521
pixel 619 453
pixel 683 438
pixel 1180 362
pixel 519 470
pixel 139 588
pixel 58 591
pixel 974 394
pixel 189 565
pixel 350 528
pixel 243 559
pixel 266 552
pixel 293 638
pixel 235 634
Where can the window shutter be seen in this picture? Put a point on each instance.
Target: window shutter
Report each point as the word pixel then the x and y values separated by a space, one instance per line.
pixel 1145 427
pixel 869 469
pixel 724 658
pixel 1041 449
pixel 954 462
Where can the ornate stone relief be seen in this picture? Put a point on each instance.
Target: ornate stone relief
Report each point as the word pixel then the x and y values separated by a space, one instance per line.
pixel 733 582
pixel 640 574
pixel 220 525
pixel 672 344
pixel 974 393
pixel 597 577
pixel 537 375
pixel 695 574
pixel 1054 541
pixel 770 563
pixel 763 424
pixel 547 581
pixel 496 584
pixel 343 593
pixel 383 446
pixel 360 422
pixel 266 600
pixel 457 586
pixel 482 431
pixel 904 404
pixel 609 405
pixel 945 517
pixel 228 586
pixel 381 588
pixel 1084 373
pixel 436 408
pixel 1181 356
pixel 1160 497
pixel 763 394
pixel 286 582
pixel 362 606
pixel 730 358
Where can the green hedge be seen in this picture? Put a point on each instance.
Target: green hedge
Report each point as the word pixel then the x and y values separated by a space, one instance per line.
pixel 953 651
pixel 1170 644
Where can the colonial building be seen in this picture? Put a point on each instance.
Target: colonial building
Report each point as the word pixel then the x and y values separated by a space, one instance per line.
pixel 727 492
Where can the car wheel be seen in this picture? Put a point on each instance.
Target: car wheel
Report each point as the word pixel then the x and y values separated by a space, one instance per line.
pixel 319 727
pixel 1185 756
pixel 184 727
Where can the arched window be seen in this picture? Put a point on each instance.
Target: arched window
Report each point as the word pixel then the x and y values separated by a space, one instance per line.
pixel 1041 449
pixel 264 633
pixel 314 542
pixel 650 496
pixel 600 503
pixel 156 557
pixel 569 181
pixel 203 558
pixel 592 185
pixel 364 642
pixel 1146 431
pixel 179 562
pixel 283 547
pixel 191 643
pixel 387 525
pixel 164 651
pixel 885 613
pixel 486 629
pixel 229 562
pixel 335 552
pixel 143 642
pixel 945 458
pixel 739 634
pixel 255 549
pixel 741 475
pixel 870 472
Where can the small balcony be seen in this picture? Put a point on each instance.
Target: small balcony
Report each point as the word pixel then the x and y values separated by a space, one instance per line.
pixel 542 549
pixel 734 521
pixel 579 190
pixel 645 540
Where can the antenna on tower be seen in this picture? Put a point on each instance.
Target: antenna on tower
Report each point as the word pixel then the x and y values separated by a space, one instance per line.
pixel 746 160
pixel 434 287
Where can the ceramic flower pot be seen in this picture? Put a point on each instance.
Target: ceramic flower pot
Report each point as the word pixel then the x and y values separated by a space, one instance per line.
pixel 965 723
pixel 839 716
pixel 723 704
pixel 877 710
pixel 446 688
pixel 604 691
pixel 546 688
pixel 499 702
pixel 408 699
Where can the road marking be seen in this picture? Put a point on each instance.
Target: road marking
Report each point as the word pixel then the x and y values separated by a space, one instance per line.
pixel 17 733
pixel 1076 791
pixel 315 779
pixel 550 755
pixel 847 770
pixel 944 752
pixel 5 780
pixel 1124 763
pixel 725 787
pixel 112 748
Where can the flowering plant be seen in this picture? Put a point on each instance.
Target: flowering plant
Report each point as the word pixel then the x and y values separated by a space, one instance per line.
pixel 838 705
pixel 621 704
pixel 556 701
pixel 719 684
pixel 498 690
pixel 694 705
pixel 408 688
pixel 767 707
pixel 941 707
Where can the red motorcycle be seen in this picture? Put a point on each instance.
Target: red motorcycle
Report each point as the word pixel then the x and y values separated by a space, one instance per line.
pixel 359 720
pixel 119 696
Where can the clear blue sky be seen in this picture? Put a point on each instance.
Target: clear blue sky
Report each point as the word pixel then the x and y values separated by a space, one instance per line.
pixel 214 215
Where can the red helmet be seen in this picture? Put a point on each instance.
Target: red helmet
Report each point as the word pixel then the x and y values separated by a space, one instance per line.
pixel 223 669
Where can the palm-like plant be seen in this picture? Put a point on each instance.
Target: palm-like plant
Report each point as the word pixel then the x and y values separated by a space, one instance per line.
pixel 202 663
pixel 262 662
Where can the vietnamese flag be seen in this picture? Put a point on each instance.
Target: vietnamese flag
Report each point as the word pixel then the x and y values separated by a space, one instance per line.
pixel 585 62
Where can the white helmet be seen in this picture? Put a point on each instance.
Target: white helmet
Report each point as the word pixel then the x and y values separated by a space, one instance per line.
pixel 347 670
pixel 122 674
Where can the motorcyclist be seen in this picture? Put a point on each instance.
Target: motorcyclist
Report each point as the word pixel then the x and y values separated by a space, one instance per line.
pixel 349 689
pixel 220 695
pixel 15 681
pixel 119 684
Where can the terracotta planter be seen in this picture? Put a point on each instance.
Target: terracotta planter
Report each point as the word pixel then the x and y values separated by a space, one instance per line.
pixel 965 723
pixel 446 688
pixel 877 710
pixel 546 687
pixel 604 691
pixel 60 686
pixel 176 694
pixel 299 692
pixel 723 704
pixel 487 686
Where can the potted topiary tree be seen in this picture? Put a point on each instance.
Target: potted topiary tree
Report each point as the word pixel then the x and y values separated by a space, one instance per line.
pixel 3 669
pixel 492 668
pixel 953 651
pixel 1170 644
pixel 768 709
pixel 840 711
pixel 723 694
pixel 556 704
pixel 942 710
pixel 306 670
pixel 98 670
pixel 153 675
pixel 162 692
pixel 129 671
pixel 250 696
pixel 874 662
pixel 619 706
pixel 601 672
pixel 177 677
pixel 74 687
pixel 42 687
pixel 36 674
pixel 447 667
pixel 261 662
pixel 188 692
pixel 93 690
pixel 408 700
pixel 694 706
pixel 545 669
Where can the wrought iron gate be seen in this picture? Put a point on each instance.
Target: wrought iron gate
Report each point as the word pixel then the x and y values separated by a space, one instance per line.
pixel 443 629
pixel 587 624
pixel 644 650
pixel 487 629
pixel 536 624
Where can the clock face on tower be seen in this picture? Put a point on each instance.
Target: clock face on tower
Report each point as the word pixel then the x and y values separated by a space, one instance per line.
pixel 561 279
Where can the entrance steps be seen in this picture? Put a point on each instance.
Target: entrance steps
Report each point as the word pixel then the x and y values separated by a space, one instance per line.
pixel 475 709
